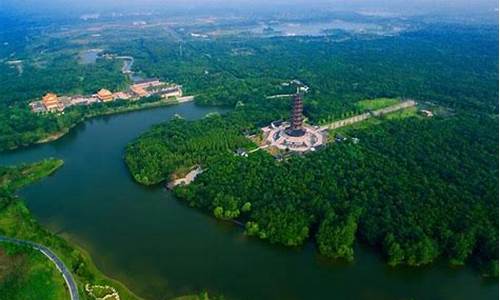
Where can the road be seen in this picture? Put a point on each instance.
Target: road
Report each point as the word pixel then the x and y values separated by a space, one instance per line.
pixel 185 99
pixel 70 281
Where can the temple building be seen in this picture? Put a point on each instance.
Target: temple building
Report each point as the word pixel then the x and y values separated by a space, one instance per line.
pixel 173 91
pixel 105 95
pixel 154 86
pixel 51 102
pixel 139 91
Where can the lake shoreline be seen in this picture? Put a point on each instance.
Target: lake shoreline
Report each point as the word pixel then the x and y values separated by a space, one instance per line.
pixel 175 246
pixel 113 111
pixel 25 228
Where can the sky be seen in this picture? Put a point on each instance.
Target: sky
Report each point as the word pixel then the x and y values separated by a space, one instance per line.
pixel 396 6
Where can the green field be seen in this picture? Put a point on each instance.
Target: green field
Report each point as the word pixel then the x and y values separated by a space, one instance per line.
pixel 410 112
pixel 14 178
pixel 27 274
pixel 374 104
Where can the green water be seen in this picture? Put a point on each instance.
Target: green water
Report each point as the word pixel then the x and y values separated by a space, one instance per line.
pixel 161 248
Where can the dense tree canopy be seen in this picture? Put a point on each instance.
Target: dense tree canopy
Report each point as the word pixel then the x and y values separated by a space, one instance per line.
pixel 417 188
pixel 437 63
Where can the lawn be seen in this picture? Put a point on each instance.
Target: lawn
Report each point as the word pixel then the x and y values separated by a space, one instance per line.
pixel 13 178
pixel 27 274
pixel 348 130
pixel 374 104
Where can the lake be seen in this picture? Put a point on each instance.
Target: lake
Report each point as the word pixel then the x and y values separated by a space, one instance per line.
pixel 161 248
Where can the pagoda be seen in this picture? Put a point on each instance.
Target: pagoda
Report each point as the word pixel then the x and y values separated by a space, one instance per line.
pixel 297 118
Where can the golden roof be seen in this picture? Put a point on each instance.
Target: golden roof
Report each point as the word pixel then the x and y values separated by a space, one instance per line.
pixel 104 93
pixel 49 97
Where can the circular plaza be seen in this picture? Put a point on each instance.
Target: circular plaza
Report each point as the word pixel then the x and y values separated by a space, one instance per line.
pixel 279 135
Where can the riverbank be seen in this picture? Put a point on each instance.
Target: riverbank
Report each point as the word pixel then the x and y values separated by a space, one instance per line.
pixel 175 249
pixel 56 261
pixel 108 111
pixel 251 188
pixel 17 223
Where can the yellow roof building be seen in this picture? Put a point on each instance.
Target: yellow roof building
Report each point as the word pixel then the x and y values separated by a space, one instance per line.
pixel 139 90
pixel 50 101
pixel 105 95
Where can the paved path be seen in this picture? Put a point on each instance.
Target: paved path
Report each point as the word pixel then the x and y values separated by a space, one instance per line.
pixel 258 148
pixel 70 281
pixel 185 99
pixel 367 115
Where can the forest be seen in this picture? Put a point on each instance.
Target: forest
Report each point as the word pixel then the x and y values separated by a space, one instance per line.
pixel 437 63
pixel 417 189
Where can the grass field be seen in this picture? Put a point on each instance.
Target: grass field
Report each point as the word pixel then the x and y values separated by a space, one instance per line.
pixel 27 274
pixel 348 130
pixel 13 178
pixel 373 104
pixel 402 114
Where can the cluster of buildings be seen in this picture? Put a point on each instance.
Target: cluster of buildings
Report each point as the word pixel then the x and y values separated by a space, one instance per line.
pixel 51 102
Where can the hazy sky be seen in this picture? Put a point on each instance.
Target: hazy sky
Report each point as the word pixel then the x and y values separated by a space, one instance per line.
pixel 400 6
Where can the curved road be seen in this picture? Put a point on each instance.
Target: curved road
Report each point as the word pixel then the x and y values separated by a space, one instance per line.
pixel 70 281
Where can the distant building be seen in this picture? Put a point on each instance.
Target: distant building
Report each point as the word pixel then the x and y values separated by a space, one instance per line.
pixel 139 91
pixel 154 86
pixel 105 95
pixel 140 87
pixel 51 102
pixel 174 91
pixel 143 88
pixel 148 83
pixel 276 124
pixel 340 138
pixel 426 113
pixel 241 152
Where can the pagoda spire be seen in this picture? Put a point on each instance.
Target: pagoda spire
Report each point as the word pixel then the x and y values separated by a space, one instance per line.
pixel 297 117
